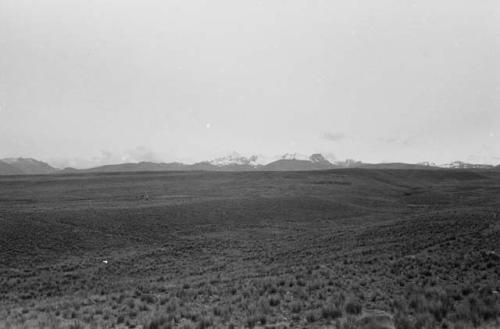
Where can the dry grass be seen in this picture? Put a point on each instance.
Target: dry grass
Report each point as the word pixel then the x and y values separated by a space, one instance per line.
pixel 251 250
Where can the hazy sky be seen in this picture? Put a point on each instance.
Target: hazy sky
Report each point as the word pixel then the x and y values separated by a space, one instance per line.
pixel 93 81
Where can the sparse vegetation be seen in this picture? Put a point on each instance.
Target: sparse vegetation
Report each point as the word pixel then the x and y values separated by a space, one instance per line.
pixel 414 249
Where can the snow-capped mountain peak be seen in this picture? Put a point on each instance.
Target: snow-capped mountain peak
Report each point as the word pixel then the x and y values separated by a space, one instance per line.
pixel 318 158
pixel 234 158
pixel 427 164
pixel 294 156
pixel 465 165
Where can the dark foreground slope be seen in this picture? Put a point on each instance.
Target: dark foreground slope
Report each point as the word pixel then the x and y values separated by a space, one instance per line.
pixel 282 249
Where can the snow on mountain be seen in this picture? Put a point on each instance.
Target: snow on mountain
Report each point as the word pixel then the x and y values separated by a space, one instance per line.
pixel 465 165
pixel 318 158
pixel 234 159
pixel 294 156
pixel 427 164
pixel 348 163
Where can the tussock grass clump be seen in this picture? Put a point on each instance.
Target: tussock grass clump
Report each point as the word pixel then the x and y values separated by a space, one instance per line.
pixel 158 322
pixel 312 316
pixel 77 325
pixel 431 307
pixel 331 312
pixel 204 322
pixel 252 320
pixel 274 301
pixel 296 306
pixel 353 308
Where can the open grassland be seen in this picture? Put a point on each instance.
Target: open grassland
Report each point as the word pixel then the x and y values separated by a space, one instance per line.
pixel 336 249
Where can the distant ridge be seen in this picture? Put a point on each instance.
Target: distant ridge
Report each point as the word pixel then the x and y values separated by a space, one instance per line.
pixel 141 166
pixel 315 162
pixel 29 166
pixel 232 162
pixel 395 165
pixel 7 169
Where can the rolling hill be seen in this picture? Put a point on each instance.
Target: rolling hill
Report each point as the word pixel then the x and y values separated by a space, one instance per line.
pixel 7 169
pixel 315 162
pixel 29 166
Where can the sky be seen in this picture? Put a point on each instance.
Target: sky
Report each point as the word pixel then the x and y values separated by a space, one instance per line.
pixel 89 82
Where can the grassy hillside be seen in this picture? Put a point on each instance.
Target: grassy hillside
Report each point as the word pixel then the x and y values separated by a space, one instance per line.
pixel 342 248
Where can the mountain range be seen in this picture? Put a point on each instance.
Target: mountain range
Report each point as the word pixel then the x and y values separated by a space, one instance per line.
pixel 232 162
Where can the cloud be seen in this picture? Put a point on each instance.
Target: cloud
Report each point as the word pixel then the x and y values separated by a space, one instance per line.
pixel 333 137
